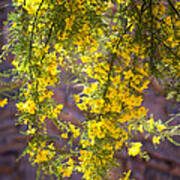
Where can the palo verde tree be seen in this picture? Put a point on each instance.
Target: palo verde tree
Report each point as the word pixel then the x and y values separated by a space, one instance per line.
pixel 113 49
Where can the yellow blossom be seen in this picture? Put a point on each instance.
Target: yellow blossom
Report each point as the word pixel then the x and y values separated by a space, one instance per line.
pixel 67 172
pixel 42 118
pixel 161 127
pixel 140 128
pixel 31 131
pixel 75 131
pixel 126 176
pixel 3 102
pixel 156 139
pixel 150 124
pixel 76 98
pixel 135 149
pixel 64 135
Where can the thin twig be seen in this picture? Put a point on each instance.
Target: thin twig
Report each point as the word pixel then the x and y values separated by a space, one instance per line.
pixel 172 6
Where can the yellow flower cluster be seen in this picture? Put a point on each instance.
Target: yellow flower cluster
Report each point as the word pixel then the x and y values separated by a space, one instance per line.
pixel 111 57
pixel 29 106
pixel 31 5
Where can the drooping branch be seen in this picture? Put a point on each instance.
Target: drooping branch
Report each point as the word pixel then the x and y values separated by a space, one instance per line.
pixel 152 35
pixel 33 27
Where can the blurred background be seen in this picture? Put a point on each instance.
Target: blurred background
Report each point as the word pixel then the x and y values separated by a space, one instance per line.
pixel 163 165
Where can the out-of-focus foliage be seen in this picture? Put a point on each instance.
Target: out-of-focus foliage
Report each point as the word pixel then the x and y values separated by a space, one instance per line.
pixel 113 48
